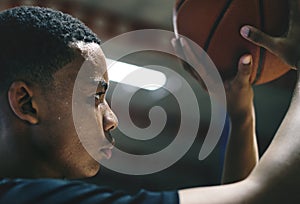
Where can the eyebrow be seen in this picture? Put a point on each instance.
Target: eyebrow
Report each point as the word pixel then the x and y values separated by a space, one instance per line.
pixel 102 83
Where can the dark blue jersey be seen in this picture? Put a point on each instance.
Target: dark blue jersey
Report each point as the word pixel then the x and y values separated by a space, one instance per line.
pixel 55 191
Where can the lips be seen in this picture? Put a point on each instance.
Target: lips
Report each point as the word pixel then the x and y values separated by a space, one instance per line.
pixel 107 152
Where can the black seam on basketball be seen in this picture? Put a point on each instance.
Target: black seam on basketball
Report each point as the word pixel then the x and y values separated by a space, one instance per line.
pixel 179 5
pixel 217 22
pixel 262 55
pixel 262 51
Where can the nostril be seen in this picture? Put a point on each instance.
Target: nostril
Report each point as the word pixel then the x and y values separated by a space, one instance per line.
pixel 111 128
pixel 109 122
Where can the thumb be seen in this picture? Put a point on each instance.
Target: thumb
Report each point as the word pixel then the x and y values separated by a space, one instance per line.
pixel 244 70
pixel 259 38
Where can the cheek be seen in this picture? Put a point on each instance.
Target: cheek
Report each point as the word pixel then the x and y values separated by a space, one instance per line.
pixel 61 120
pixel 73 136
pixel 90 130
pixel 57 121
pixel 64 144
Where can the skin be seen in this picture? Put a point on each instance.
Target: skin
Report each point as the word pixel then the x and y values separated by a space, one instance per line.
pixel 29 112
pixel 37 124
pixel 25 117
pixel 242 150
pixel 39 128
pixel 275 179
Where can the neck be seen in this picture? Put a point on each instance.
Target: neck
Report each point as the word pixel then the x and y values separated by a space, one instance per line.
pixel 22 168
pixel 18 160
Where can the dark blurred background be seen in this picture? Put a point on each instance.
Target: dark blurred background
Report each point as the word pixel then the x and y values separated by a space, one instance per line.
pixel 110 18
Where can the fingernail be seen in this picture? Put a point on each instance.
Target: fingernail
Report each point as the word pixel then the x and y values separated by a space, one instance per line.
pixel 173 42
pixel 247 60
pixel 245 31
pixel 182 42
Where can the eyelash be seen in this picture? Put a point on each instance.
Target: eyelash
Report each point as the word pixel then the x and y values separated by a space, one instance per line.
pixel 99 96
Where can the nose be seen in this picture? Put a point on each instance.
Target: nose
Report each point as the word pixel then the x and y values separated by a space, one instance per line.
pixel 110 120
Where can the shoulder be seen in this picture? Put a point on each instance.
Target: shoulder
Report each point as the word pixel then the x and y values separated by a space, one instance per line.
pixel 67 191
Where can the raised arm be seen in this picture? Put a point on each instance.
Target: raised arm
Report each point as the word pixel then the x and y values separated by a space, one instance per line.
pixel 276 178
pixel 241 151
pixel 241 156
pixel 279 168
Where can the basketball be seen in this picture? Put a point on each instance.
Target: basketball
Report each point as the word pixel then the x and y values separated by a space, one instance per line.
pixel 215 26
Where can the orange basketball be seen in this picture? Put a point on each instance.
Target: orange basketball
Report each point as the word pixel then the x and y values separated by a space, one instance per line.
pixel 215 26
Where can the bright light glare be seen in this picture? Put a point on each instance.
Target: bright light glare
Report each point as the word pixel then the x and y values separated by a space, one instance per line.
pixel 133 75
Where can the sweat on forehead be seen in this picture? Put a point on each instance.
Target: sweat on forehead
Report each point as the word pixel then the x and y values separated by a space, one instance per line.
pixel 94 65
pixel 90 51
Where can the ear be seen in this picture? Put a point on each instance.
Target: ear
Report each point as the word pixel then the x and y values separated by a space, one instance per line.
pixel 20 97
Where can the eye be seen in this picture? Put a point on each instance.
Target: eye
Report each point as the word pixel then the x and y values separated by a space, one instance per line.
pixel 99 97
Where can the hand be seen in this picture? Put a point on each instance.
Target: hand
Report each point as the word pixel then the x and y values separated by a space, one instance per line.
pixel 183 48
pixel 286 47
pixel 239 92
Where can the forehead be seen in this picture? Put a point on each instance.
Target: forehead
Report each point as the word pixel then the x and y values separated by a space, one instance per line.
pixel 94 64
pixel 89 70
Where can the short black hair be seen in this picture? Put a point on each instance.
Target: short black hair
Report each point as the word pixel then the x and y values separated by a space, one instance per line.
pixel 35 42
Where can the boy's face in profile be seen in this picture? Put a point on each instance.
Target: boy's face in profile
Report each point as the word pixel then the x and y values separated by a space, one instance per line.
pixel 59 140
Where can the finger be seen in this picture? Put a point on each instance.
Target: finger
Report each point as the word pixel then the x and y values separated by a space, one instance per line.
pixel 190 58
pixel 187 50
pixel 244 70
pixel 177 46
pixel 179 50
pixel 259 38
pixel 194 58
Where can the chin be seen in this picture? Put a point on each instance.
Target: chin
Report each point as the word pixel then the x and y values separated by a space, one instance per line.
pixel 85 171
pixel 92 171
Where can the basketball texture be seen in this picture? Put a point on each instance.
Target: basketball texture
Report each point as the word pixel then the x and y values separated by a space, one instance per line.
pixel 215 26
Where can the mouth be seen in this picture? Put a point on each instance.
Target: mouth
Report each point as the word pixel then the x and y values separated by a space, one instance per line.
pixel 107 151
